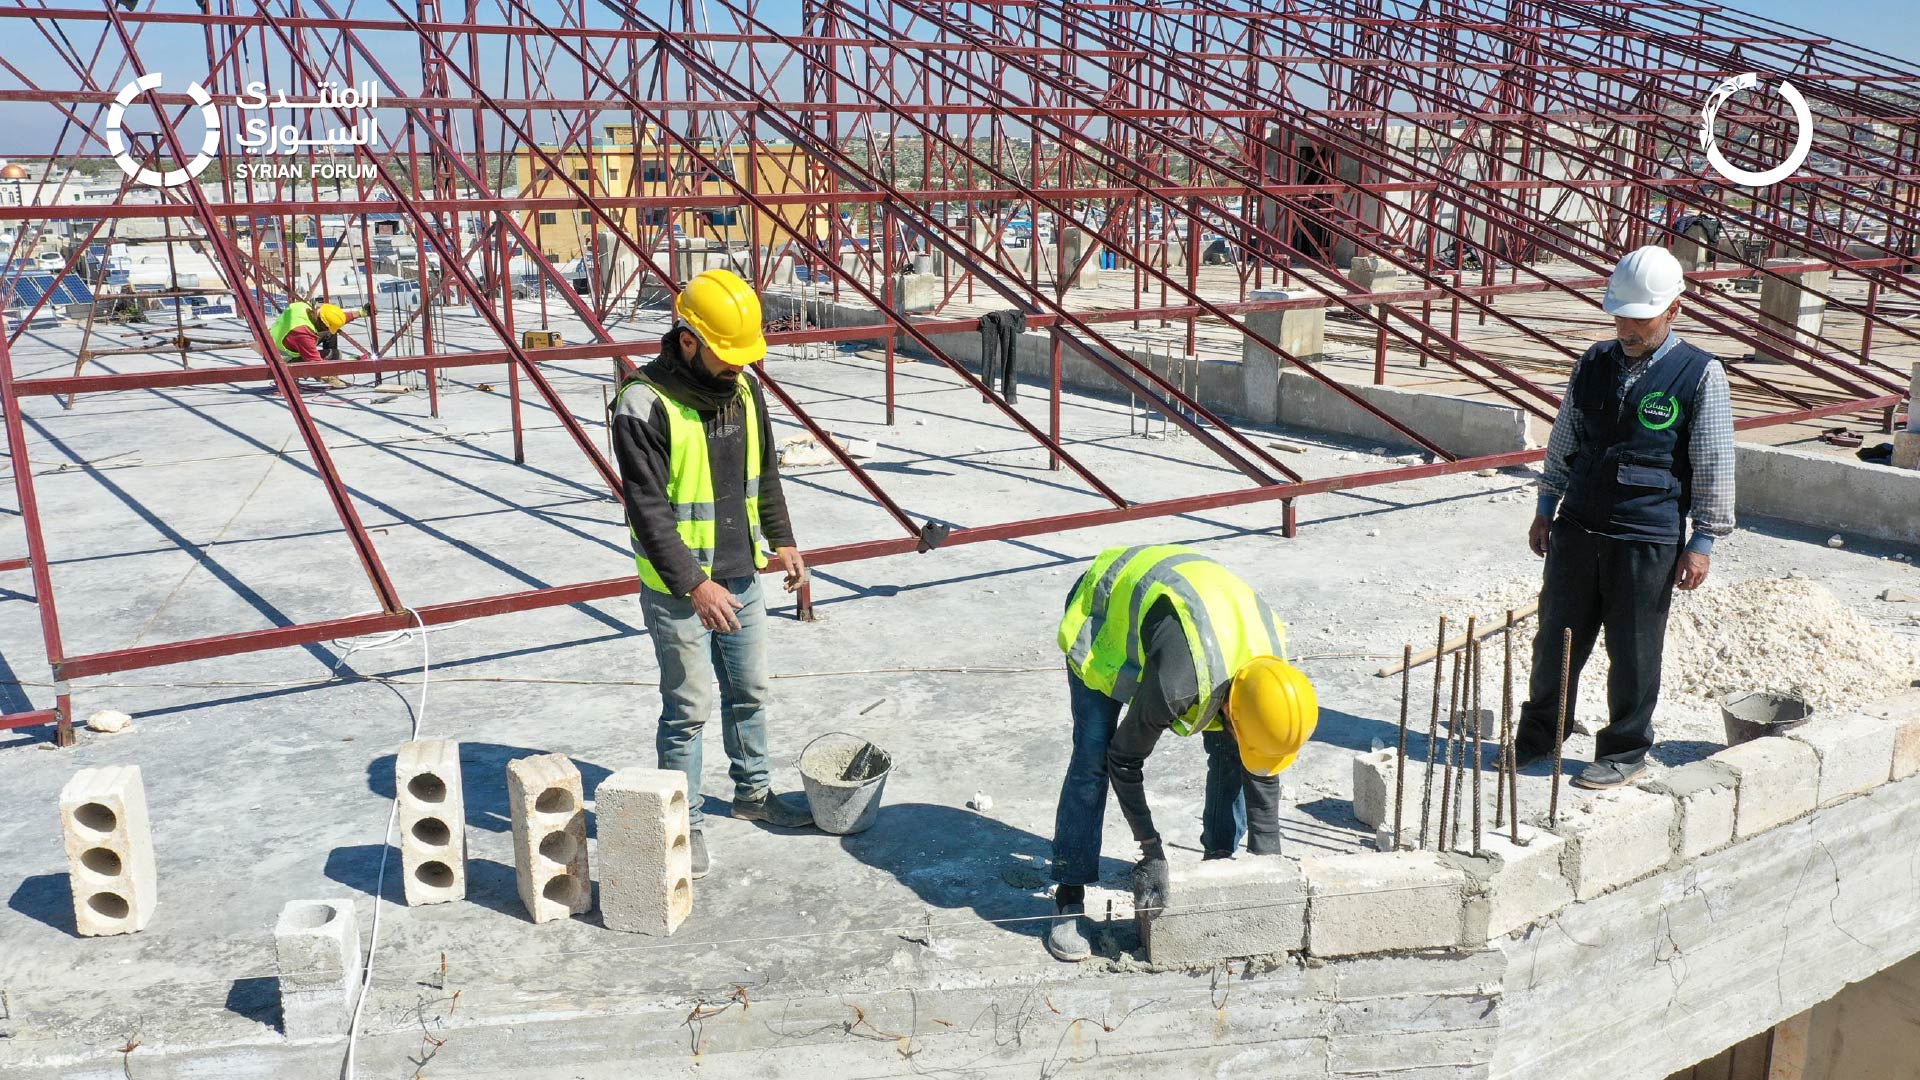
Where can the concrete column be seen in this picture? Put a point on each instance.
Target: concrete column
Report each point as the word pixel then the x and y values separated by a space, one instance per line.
pixel 1906 444
pixel 549 836
pixel 646 868
pixel 1074 245
pixel 433 834
pixel 316 946
pixel 1374 274
pixel 916 292
pixel 1691 253
pixel 1300 331
pixel 1788 309
pixel 103 816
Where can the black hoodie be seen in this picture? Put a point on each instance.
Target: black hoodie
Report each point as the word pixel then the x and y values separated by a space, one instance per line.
pixel 640 446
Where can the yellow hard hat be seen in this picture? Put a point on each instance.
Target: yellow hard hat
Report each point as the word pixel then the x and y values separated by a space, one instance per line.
pixel 725 312
pixel 333 317
pixel 1273 710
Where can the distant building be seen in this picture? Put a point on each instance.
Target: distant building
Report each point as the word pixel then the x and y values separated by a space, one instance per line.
pixel 621 166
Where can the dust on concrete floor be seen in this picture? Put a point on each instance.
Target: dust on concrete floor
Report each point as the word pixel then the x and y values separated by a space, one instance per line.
pixel 268 775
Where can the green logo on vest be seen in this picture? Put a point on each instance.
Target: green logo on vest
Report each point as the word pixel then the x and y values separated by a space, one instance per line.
pixel 1659 411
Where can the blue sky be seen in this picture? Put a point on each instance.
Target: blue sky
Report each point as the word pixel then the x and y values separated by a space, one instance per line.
pixel 1885 25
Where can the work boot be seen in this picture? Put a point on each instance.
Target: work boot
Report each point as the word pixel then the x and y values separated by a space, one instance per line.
pixel 1067 934
pixel 333 382
pixel 697 840
pixel 785 811
pixel 1602 775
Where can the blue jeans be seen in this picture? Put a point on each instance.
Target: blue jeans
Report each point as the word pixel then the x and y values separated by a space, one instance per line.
pixel 1080 819
pixel 690 657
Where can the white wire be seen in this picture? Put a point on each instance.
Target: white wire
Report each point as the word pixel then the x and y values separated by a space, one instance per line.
pixel 386 845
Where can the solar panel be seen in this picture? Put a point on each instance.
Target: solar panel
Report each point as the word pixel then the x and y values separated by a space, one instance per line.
pixel 29 288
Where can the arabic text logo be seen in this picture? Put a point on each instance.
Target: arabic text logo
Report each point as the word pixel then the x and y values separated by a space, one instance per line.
pixel 1659 411
pixel 117 142
pixel 1802 145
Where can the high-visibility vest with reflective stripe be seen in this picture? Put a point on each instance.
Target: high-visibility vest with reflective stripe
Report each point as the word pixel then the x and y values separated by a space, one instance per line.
pixel 690 482
pixel 1226 624
pixel 296 314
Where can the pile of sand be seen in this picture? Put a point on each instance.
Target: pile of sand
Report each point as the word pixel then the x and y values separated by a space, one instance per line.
pixel 1788 635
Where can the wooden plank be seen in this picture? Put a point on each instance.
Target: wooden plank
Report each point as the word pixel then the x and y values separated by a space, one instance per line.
pixel 1493 624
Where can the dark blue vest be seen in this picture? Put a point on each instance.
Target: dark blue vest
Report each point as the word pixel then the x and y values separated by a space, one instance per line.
pixel 1632 477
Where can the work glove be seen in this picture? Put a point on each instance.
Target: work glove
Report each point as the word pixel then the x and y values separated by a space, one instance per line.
pixel 1150 877
pixel 366 311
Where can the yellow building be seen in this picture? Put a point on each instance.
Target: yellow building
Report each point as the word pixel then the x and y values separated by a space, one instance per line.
pixel 617 165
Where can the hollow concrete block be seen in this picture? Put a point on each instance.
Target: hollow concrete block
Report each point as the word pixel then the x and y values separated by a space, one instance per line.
pixel 1779 781
pixel 1373 778
pixel 1705 794
pixel 1523 882
pixel 549 821
pixel 109 841
pixel 1391 902
pixel 433 834
pixel 1252 905
pixel 1855 752
pixel 646 867
pixel 1618 838
pixel 316 948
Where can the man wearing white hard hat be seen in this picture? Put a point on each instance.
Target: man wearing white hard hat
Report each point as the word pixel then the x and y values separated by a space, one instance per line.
pixel 1643 441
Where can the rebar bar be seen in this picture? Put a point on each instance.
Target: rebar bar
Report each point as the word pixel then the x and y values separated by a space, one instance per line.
pixel 1433 730
pixel 1400 756
pixel 1477 749
pixel 1560 726
pixel 1446 754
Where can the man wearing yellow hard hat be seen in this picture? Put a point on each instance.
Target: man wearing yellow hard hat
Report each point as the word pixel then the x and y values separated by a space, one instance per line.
pixel 306 333
pixel 701 482
pixel 1186 646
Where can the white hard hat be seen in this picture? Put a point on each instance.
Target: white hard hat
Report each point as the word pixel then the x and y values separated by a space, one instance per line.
pixel 1644 284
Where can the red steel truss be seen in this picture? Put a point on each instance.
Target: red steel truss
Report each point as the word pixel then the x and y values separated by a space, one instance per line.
pixel 1300 132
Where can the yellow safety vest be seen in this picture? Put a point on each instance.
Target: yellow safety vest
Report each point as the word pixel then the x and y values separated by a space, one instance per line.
pixel 1226 624
pixel 690 482
pixel 295 314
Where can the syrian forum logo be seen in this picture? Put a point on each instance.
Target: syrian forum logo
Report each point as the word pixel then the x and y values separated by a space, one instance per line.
pixel 117 142
pixel 1802 144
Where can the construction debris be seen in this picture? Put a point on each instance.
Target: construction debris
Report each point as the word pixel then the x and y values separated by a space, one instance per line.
pixel 110 722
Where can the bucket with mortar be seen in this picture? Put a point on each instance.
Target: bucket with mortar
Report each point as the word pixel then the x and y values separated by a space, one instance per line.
pixel 1750 715
pixel 843 776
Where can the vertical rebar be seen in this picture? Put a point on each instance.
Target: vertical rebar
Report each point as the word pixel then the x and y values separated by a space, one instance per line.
pixel 1459 756
pixel 1446 754
pixel 1513 741
pixel 1477 749
pixel 1560 726
pixel 1433 728
pixel 1506 729
pixel 1400 757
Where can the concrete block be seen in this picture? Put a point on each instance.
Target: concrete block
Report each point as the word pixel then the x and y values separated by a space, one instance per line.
pixel 549 821
pixel 646 868
pixel 1705 794
pixel 1252 905
pixel 1903 710
pixel 1373 779
pixel 1391 902
pixel 1855 752
pixel 1789 309
pixel 1618 838
pixel 1906 449
pixel 316 947
pixel 103 818
pixel 1523 882
pixel 916 292
pixel 1300 331
pixel 1374 274
pixel 433 816
pixel 1779 781
pixel 1489 725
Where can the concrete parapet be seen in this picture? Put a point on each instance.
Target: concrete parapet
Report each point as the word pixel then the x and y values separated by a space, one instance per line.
pixel 1253 905
pixel 1705 794
pixel 1523 882
pixel 316 948
pixel 1855 751
pixel 1391 902
pixel 1779 781
pixel 1456 424
pixel 646 869
pixel 433 834
pixel 549 836
pixel 1618 838
pixel 1830 493
pixel 109 841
